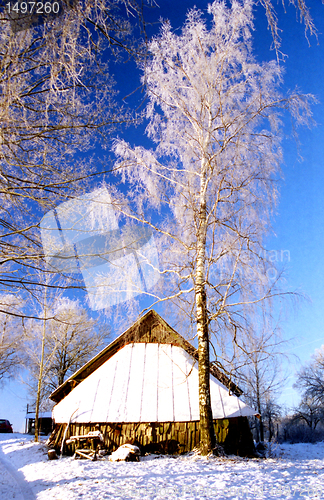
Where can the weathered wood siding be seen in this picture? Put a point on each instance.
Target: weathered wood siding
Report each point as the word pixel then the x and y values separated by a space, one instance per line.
pixel 234 434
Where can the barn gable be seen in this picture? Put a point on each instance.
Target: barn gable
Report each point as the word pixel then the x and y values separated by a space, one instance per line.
pixel 151 328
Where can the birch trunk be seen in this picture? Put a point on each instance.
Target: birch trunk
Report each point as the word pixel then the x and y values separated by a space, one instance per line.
pixel 207 436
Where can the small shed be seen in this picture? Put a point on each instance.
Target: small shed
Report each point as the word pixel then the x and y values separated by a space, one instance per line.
pixel 144 386
pixel 45 422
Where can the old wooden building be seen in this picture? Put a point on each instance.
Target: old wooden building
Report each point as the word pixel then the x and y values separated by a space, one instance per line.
pixel 144 386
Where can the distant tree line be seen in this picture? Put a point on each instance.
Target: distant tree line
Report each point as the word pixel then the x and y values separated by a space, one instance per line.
pixel 303 423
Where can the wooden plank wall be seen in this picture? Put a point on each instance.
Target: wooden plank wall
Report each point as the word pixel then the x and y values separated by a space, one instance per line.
pixel 115 434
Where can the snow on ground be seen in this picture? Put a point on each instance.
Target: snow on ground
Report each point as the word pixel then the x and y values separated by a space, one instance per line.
pixel 296 471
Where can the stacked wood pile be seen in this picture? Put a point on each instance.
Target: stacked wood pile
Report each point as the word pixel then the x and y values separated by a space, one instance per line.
pixel 233 434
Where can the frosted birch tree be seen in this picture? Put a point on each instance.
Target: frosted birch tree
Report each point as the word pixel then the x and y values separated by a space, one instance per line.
pixel 209 185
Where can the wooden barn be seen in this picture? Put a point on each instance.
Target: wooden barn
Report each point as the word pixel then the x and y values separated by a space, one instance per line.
pixel 144 386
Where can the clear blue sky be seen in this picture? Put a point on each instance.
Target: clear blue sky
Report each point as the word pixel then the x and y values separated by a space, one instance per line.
pixel 299 223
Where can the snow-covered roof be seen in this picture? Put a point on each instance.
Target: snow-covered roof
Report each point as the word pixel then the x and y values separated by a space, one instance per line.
pixel 146 382
pixel 148 329
pixel 43 414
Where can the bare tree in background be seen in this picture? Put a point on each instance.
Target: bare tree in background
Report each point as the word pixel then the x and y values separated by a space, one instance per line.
pixel 11 336
pixel 213 115
pixel 58 345
pixel 310 377
pixel 309 411
pixel 272 413
pixel 73 339
pixel 259 373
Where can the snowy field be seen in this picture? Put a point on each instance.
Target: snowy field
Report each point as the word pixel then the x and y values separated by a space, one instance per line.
pixel 296 471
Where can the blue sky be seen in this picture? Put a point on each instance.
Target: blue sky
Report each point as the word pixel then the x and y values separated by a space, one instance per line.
pixel 299 222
